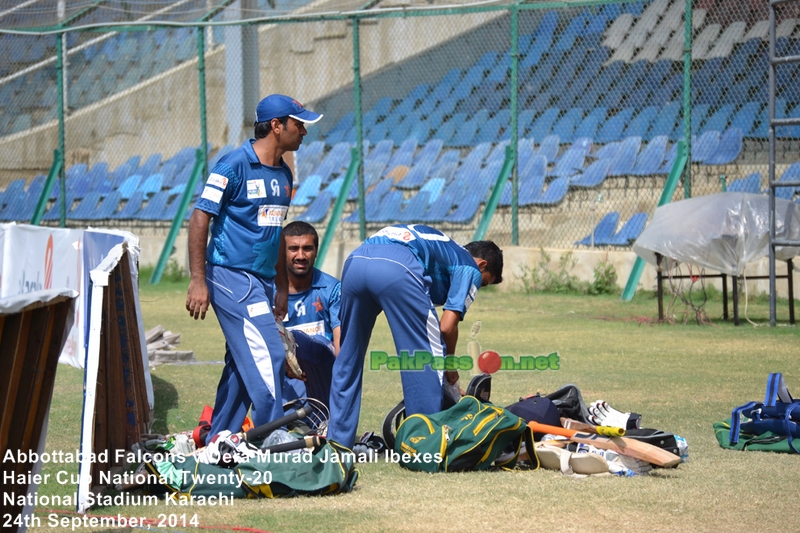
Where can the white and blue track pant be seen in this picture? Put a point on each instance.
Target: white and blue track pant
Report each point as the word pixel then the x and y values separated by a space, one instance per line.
pixel 254 354
pixel 388 278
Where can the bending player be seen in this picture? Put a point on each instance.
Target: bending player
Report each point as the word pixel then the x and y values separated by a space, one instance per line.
pixel 313 313
pixel 405 271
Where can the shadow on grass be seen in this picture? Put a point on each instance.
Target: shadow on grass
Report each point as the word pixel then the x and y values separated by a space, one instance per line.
pixel 166 397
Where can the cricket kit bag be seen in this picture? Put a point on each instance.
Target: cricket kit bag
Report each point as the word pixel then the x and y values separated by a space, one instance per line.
pixel 775 419
pixel 471 435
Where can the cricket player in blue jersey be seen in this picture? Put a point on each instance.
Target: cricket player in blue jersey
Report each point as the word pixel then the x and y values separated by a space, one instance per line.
pixel 405 271
pixel 313 313
pixel 241 270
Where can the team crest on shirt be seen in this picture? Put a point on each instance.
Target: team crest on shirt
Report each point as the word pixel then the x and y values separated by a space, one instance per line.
pixel 256 189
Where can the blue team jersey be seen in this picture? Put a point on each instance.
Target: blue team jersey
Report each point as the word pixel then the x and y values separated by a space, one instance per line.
pixel 316 310
pixel 454 275
pixel 249 202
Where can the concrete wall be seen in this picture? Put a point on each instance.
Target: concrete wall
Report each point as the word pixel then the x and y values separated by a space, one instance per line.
pixel 516 259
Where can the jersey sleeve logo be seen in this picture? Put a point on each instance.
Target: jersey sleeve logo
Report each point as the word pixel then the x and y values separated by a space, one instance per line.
pixel 212 194
pixel 271 215
pixel 473 291
pixel 256 189
pixel 218 180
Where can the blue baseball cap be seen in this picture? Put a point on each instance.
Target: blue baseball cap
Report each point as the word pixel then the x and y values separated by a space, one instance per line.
pixel 279 105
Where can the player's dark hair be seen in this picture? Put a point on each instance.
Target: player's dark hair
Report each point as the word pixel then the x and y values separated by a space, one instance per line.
pixel 491 253
pixel 298 228
pixel 262 129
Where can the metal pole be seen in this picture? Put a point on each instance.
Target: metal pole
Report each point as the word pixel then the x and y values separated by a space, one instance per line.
pixel 514 124
pixel 687 97
pixel 62 186
pixel 201 68
pixel 362 220
pixel 772 232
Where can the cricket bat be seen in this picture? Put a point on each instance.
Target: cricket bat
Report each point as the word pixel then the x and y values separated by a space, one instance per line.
pixel 607 431
pixel 622 445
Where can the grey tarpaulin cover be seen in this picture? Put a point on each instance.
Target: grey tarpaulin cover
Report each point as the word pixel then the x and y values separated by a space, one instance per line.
pixel 722 232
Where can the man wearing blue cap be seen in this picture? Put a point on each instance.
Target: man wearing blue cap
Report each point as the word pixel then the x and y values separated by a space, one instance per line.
pixel 241 270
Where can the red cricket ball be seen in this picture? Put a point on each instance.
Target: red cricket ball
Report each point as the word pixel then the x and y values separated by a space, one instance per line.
pixel 489 362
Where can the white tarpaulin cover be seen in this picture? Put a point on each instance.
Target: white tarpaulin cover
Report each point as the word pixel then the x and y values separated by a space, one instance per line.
pixel 722 232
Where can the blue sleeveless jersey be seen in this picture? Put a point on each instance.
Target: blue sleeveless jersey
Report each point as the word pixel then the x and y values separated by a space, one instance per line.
pixel 249 202
pixel 454 275
pixel 316 310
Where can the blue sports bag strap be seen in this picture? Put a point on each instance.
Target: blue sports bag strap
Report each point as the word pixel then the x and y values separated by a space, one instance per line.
pixel 736 416
pixel 776 390
pixel 789 423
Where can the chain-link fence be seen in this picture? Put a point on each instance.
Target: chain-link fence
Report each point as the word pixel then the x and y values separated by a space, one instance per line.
pixel 600 95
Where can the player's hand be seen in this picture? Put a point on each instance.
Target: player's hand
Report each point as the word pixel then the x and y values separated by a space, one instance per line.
pixel 197 299
pixel 451 376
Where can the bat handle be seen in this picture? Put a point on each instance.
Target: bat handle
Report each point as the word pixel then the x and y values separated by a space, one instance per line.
pixel 265 429
pixel 610 431
pixel 313 441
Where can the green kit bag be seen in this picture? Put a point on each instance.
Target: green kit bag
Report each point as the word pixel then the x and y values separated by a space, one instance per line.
pixel 471 435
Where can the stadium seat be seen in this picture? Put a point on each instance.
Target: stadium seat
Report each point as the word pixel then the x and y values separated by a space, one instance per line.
pixel 413 208
pixel 705 146
pixel 308 189
pixel 613 127
pixel 629 231
pixel 318 208
pixel 751 184
pixel 549 147
pixel 130 186
pixel 622 162
pixel 131 207
pixel 555 192
pixel 151 185
pixel 87 206
pixel 568 164
pixel 155 208
pixel 107 208
pixel 651 158
pixel 792 173
pixel 593 176
pixel 729 148
pixel 603 231
pixel 434 188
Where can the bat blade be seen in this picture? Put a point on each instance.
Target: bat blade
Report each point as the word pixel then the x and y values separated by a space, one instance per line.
pixel 621 445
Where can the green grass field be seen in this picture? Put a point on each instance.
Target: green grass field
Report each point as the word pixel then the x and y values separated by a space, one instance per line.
pixel 680 377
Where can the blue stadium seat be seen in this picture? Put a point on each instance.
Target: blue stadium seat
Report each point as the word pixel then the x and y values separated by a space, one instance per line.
pixel 87 206
pixel 543 125
pixel 622 162
pixel 465 211
pixel 434 188
pixel 604 230
pixel 130 186
pixel 593 176
pixel 107 208
pixel 554 194
pixel 151 185
pixel 308 189
pixel 390 207
pixel 720 120
pixel 613 127
pixel 705 146
pixel 665 121
pixel 568 164
pixel 591 123
pixel 318 208
pixel 131 207
pixel 549 147
pixel 651 158
pixel 751 183
pixel 629 231
pixel 640 124
pixel 792 173
pixel 414 208
pixel 565 127
pixel 745 117
pixel 729 148
pixel 155 207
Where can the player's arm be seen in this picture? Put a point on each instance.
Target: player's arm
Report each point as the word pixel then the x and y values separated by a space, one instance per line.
pixel 336 333
pixel 448 325
pixel 197 299
pixel 281 296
